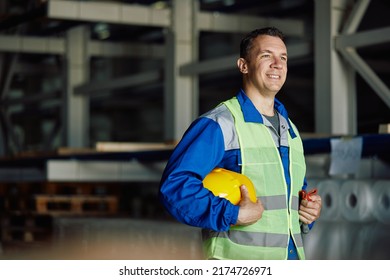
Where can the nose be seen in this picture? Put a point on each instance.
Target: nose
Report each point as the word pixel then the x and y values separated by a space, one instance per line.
pixel 277 63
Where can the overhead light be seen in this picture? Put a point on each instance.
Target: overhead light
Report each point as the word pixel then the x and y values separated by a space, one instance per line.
pixel 102 31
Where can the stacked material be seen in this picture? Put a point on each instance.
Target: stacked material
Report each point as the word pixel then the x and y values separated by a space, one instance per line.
pixel 355 215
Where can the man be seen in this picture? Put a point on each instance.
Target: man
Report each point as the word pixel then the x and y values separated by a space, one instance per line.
pixel 250 134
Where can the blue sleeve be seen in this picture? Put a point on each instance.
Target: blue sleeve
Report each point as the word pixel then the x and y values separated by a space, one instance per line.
pixel 304 186
pixel 181 190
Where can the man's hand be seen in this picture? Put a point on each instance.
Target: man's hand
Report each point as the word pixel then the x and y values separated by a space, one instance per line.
pixel 309 211
pixel 250 212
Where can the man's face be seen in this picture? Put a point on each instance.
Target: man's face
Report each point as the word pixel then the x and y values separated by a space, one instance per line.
pixel 266 64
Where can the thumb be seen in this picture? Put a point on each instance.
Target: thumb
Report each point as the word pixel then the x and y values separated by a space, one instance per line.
pixel 244 192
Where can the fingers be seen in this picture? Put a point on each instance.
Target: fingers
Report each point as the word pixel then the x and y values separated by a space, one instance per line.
pixel 309 211
pixel 316 198
pixel 306 217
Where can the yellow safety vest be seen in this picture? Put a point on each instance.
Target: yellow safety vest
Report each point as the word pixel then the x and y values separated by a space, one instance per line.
pixel 268 238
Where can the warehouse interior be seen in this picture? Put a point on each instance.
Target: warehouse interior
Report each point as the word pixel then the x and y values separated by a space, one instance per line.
pixel 95 94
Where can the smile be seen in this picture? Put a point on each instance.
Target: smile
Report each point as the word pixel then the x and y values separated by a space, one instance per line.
pixel 273 76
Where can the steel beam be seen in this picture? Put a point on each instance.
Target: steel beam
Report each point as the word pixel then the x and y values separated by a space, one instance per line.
pixel 209 66
pixel 131 81
pixel 30 99
pixel 367 74
pixel 30 44
pixel 363 38
pixel 139 15
pixel 109 49
pixel 115 13
pixel 9 75
pixel 218 22
pixel 355 17
pixel 56 46
pixel 347 43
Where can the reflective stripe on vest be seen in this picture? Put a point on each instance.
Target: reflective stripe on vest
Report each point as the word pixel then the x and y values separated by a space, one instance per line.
pixel 268 238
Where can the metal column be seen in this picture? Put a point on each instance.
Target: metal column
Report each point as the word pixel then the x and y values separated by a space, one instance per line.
pixel 335 93
pixel 180 98
pixel 76 109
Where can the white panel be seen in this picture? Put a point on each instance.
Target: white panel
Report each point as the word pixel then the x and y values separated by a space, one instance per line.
pixel 98 171
pixel 61 170
pixel 102 171
pixel 135 171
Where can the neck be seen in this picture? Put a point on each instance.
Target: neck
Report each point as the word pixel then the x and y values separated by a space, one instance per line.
pixel 263 103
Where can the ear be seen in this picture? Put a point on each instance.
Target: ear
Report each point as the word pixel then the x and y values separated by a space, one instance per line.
pixel 242 65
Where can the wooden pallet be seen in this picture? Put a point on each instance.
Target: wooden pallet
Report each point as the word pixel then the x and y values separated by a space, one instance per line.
pixel 25 227
pixel 76 204
pixel 12 234
pixel 26 220
pixel 16 203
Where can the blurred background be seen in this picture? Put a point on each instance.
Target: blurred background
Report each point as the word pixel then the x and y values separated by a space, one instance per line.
pixel 95 94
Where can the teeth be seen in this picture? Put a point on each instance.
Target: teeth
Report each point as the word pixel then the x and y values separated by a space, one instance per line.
pixel 273 76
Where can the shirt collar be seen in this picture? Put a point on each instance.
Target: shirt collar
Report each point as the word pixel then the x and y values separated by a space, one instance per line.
pixel 251 114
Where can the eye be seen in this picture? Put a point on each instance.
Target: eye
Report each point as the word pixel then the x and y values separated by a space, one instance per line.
pixel 284 58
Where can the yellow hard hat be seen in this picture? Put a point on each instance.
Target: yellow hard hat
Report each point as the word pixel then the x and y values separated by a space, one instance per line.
pixel 225 183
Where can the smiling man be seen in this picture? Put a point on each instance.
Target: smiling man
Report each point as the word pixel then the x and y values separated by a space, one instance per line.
pixel 250 134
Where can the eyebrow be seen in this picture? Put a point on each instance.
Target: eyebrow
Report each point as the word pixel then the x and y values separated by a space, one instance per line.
pixel 268 51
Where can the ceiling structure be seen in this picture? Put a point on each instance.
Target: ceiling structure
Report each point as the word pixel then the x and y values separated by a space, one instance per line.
pixel 127 70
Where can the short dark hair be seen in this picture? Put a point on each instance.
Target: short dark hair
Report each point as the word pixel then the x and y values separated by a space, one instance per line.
pixel 246 42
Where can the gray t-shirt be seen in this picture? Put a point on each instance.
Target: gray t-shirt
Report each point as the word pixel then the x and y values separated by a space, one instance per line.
pixel 274 120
